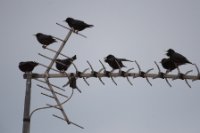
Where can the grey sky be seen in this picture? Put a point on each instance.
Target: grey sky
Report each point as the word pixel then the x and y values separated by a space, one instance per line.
pixel 140 30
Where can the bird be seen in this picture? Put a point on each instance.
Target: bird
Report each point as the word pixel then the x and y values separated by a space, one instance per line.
pixel 77 25
pixel 63 64
pixel 44 39
pixel 168 64
pixel 72 82
pixel 27 66
pixel 115 63
pixel 177 58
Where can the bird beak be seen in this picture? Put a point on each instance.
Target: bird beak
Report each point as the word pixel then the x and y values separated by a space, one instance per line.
pixel 34 34
pixel 105 58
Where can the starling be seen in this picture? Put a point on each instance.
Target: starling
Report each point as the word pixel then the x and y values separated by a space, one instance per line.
pixel 115 63
pixel 177 58
pixel 63 65
pixel 168 64
pixel 27 66
pixel 72 82
pixel 77 25
pixel 45 40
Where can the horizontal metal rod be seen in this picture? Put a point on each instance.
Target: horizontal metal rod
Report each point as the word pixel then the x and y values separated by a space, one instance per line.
pixel 51 84
pixel 131 74
pixel 48 95
pixel 56 52
pixel 47 66
pixel 70 121
pixel 45 88
pixel 53 106
pixel 51 60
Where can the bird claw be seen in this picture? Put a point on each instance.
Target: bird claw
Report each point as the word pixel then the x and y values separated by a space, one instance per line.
pixel 44 46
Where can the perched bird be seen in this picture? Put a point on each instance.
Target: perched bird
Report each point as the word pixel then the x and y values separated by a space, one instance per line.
pixel 77 25
pixel 27 66
pixel 45 40
pixel 63 65
pixel 72 82
pixel 115 63
pixel 168 64
pixel 177 58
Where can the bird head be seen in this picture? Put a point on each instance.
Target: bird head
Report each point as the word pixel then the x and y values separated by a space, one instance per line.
pixel 170 52
pixel 68 19
pixel 109 57
pixel 38 34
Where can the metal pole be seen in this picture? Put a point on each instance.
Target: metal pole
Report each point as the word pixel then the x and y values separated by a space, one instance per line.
pixel 130 74
pixel 27 103
pixel 47 72
pixel 59 50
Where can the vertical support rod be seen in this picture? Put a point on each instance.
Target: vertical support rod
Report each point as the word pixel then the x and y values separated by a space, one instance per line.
pixel 47 73
pixel 27 104
pixel 57 101
pixel 59 50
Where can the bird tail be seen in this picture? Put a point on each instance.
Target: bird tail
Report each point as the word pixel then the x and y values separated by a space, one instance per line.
pixel 122 59
pixel 74 57
pixel 90 25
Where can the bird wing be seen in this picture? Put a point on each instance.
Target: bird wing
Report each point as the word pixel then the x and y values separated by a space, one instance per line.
pixel 180 58
pixel 78 22
pixel 81 23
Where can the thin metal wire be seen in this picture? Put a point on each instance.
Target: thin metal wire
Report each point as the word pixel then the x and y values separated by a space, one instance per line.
pixel 48 95
pixel 45 88
pixel 50 84
pixel 66 121
pixel 56 52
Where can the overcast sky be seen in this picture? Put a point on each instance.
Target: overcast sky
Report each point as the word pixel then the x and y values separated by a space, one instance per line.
pixel 139 30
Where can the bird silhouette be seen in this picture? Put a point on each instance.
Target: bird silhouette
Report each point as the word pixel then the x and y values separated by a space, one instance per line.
pixel 72 82
pixel 63 64
pixel 45 40
pixel 77 25
pixel 168 64
pixel 27 66
pixel 177 58
pixel 115 63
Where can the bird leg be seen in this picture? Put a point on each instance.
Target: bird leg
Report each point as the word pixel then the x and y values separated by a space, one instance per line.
pixel 44 46
pixel 180 75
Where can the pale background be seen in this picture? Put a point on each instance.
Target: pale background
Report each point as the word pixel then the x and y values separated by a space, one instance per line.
pixel 140 30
